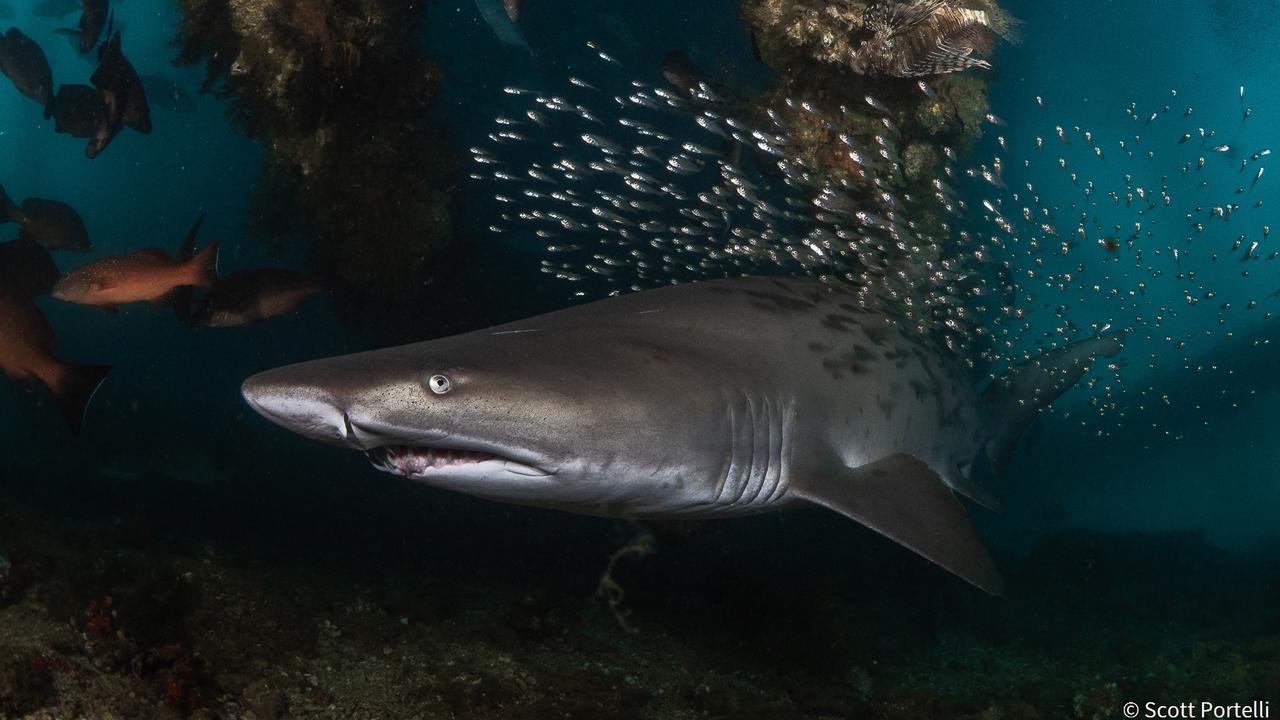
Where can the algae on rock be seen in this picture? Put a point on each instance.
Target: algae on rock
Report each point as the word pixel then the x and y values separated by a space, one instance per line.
pixel 340 92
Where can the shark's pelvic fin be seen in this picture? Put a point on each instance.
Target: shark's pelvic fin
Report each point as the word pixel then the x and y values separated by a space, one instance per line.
pixel 901 498
pixel 1013 400
pixel 974 491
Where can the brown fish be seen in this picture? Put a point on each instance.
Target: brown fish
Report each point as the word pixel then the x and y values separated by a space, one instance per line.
pixel 26 356
pixel 26 269
pixel 513 8
pixel 121 88
pixel 92 19
pixel 24 62
pixel 53 224
pixel 149 275
pixel 251 296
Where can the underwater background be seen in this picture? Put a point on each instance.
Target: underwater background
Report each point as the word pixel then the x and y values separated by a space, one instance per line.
pixel 181 557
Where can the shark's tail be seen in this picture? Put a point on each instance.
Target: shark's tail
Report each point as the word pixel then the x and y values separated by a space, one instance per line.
pixel 1014 399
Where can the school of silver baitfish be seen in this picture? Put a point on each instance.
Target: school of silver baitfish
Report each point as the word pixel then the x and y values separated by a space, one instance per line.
pixel 671 186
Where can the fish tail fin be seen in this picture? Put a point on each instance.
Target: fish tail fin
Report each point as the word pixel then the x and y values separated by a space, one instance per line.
pixel 74 386
pixel 181 296
pixel 204 267
pixel 1013 400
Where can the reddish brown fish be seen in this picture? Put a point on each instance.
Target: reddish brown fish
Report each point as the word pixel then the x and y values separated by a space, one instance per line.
pixel 26 356
pixel 149 275
pixel 513 9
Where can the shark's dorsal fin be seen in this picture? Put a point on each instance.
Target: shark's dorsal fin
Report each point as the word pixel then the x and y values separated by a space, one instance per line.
pixel 1014 399
pixel 901 498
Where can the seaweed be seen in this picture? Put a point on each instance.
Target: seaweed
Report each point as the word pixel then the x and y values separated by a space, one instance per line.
pixel 341 93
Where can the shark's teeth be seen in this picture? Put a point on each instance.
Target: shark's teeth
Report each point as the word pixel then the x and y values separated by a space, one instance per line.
pixel 415 462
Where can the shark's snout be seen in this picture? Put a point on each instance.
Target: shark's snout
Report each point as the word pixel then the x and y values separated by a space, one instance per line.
pixel 306 411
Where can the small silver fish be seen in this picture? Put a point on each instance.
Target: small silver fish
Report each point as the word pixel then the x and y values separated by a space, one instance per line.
pixel 876 104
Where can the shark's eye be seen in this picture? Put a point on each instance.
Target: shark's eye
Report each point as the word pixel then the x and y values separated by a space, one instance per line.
pixel 439 384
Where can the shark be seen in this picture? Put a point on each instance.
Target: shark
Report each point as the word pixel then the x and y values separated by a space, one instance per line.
pixel 712 399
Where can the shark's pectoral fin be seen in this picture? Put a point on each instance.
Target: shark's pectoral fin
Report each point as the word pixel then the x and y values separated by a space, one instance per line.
pixel 901 498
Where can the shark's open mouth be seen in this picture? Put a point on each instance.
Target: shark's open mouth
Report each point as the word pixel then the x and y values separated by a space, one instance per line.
pixel 416 462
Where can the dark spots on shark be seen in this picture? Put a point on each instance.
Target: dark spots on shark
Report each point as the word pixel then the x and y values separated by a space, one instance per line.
pixel 877 335
pixel 855 309
pixel 863 354
pixel 846 362
pixel 833 367
pixel 774 302
pixel 920 389
pixel 886 407
pixel 840 323
pixel 818 347
pixel 784 286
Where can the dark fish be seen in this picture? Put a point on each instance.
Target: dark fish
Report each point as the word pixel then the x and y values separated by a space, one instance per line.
pixel 54 225
pixel 26 269
pixel 81 111
pixel 683 74
pixel 121 87
pixel 25 64
pixel 92 20
pixel 55 8
pixel 26 356
pixel 513 9
pixel 167 94
pixel 255 295
pixel 78 111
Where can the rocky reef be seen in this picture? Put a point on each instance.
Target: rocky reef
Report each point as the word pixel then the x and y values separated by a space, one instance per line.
pixel 340 92
pixel 810 45
pixel 249 602
pixel 918 126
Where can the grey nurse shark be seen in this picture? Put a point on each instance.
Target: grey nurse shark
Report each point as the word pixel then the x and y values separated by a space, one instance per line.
pixel 713 399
